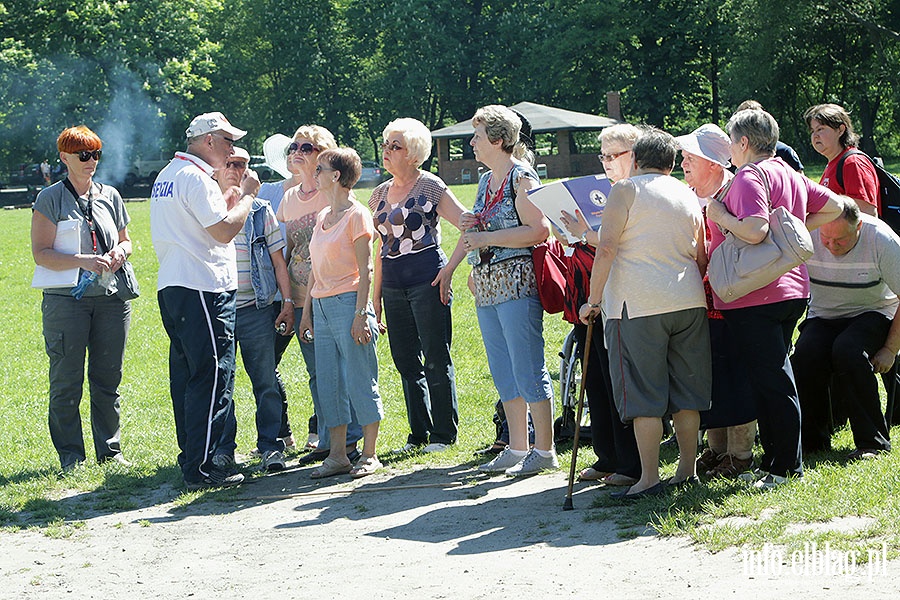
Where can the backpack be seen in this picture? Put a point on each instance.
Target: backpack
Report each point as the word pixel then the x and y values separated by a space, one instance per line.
pixel 888 190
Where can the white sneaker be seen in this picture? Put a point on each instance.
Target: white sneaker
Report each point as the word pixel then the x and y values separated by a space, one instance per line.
pixel 502 462
pixel 407 449
pixel 435 447
pixel 753 476
pixel 533 463
pixel 272 461
pixel 770 481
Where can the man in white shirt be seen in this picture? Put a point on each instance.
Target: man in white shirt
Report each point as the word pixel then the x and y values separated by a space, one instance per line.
pixel 850 332
pixel 193 224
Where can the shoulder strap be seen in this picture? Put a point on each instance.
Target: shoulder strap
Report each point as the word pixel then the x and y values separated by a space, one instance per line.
pixel 88 211
pixel 839 171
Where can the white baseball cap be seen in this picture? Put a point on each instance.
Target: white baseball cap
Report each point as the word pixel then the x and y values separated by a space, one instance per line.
pixel 241 153
pixel 709 142
pixel 210 122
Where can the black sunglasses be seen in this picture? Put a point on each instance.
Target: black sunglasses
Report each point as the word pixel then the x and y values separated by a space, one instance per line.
pixel 236 164
pixel 86 155
pixel 304 148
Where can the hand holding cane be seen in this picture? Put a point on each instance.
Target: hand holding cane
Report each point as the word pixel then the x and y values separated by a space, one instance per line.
pixel 585 353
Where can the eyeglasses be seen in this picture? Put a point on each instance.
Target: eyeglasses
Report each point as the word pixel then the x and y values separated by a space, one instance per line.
pixel 391 146
pixel 86 155
pixel 236 164
pixel 611 157
pixel 304 148
pixel 320 168
pixel 227 139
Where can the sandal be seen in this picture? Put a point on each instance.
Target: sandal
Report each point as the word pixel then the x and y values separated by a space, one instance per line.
pixel 366 465
pixel 330 467
pixel 592 474
pixel 619 479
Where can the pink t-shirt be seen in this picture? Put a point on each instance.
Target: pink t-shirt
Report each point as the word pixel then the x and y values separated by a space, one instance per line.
pixel 331 250
pixel 747 198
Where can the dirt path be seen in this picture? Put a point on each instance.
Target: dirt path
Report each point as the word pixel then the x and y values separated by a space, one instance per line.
pixel 485 539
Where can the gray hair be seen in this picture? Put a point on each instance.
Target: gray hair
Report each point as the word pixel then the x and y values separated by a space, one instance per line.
pixel 500 123
pixel 624 133
pixel 655 149
pixel 759 127
pixel 416 137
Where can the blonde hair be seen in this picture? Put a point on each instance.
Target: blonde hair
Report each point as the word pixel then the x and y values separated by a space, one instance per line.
pixel 624 133
pixel 416 137
pixel 318 135
pixel 501 123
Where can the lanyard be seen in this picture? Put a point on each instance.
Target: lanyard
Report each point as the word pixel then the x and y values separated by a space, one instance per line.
pixel 86 210
pixel 492 203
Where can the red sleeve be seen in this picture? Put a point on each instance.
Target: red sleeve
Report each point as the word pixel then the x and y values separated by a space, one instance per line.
pixel 860 179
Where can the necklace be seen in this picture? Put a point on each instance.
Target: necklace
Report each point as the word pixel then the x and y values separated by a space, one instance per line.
pixel 309 192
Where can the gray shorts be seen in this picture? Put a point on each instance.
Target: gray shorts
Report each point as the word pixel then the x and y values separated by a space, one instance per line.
pixel 660 364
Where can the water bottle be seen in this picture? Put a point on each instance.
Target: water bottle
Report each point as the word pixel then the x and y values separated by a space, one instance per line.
pixel 87 278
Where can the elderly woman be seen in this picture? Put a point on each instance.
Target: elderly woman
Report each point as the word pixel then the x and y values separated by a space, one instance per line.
pixel 647 274
pixel 618 462
pixel 832 136
pixel 98 321
pixel 298 210
pixel 499 236
pixel 410 282
pixel 345 326
pixel 763 321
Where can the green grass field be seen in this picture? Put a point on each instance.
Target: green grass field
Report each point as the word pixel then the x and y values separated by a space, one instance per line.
pixel 718 515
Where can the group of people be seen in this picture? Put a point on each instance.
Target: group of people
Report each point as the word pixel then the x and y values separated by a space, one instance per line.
pixel 254 265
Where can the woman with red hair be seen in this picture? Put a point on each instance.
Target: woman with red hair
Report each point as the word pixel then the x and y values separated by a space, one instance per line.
pixel 91 317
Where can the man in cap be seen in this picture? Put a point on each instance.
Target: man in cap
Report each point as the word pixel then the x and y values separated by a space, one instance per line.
pixel 193 224
pixel 851 331
pixel 730 423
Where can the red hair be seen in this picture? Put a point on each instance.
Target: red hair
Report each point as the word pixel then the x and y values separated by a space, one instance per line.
pixel 76 139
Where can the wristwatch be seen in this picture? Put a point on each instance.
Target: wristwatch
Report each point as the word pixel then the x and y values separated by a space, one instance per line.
pixel 584 237
pixel 361 312
pixel 291 300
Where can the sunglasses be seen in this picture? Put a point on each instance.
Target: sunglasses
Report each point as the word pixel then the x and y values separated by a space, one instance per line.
pixel 227 139
pixel 320 168
pixel 611 157
pixel 86 155
pixel 304 148
pixel 391 146
pixel 236 164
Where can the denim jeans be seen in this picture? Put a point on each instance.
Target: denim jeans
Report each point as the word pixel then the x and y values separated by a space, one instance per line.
pixel 98 326
pixel 200 326
pixel 255 335
pixel 346 372
pixel 421 328
pixel 354 429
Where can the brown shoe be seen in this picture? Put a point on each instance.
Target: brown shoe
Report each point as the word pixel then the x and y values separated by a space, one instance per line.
pixel 730 467
pixel 708 460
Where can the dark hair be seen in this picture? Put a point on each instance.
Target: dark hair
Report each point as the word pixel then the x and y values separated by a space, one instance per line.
pixel 749 105
pixel 655 149
pixel 346 161
pixel 851 211
pixel 525 132
pixel 833 116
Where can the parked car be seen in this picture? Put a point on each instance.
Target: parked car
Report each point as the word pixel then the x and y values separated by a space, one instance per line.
pixel 145 171
pixel 372 174
pixel 263 170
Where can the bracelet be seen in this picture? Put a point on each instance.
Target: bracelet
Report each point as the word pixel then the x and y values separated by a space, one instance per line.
pixel 593 305
pixel 291 300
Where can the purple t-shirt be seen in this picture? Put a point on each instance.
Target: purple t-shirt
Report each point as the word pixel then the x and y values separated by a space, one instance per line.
pixel 747 198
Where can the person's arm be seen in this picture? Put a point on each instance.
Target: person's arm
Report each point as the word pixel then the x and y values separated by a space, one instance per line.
pixel 376 287
pixel 615 216
pixel 119 253
pixel 833 208
pixel 43 235
pixel 533 230
pixel 578 226
pixel 450 209
pixel 239 201
pixel 700 240
pixel 286 315
pixel 306 323
pixel 883 360
pixel 444 277
pixel 752 230
pixel 359 330
pixel 861 183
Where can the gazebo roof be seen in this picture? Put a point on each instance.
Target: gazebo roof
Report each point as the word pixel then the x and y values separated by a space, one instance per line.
pixel 543 119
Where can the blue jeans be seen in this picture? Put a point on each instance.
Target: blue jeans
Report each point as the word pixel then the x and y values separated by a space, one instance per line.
pixel 200 326
pixel 513 334
pixel 421 328
pixel 255 334
pixel 347 372
pixel 765 332
pixel 354 429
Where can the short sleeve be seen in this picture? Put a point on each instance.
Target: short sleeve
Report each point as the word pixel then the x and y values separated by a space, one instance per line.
pixel 361 224
pixel 747 196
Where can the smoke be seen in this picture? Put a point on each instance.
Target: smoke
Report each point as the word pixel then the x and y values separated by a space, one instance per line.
pixel 132 128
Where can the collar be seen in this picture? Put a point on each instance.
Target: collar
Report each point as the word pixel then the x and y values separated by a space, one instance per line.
pixel 196 161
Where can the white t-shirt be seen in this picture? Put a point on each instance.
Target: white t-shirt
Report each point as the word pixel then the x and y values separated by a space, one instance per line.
pixel 184 201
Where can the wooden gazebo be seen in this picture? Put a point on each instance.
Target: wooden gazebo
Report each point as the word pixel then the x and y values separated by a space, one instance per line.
pixel 462 167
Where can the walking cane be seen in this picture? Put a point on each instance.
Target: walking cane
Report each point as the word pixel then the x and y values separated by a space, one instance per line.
pixel 586 351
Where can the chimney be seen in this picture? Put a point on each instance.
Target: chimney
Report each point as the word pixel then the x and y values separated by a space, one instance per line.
pixel 613 106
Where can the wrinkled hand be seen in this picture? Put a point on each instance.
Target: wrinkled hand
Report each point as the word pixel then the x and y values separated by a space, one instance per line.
pixel 98 263
pixel 473 240
pixel 588 313
pixel 576 225
pixel 468 220
pixel 250 184
pixel 377 306
pixel 232 196
pixel 286 316
pixel 883 360
pixel 716 212
pixel 116 258
pixel 360 331
pixel 444 279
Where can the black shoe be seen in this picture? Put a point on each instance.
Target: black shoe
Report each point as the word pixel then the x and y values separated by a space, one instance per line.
pixel 313 457
pixel 354 455
pixel 217 478
pixel 653 490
